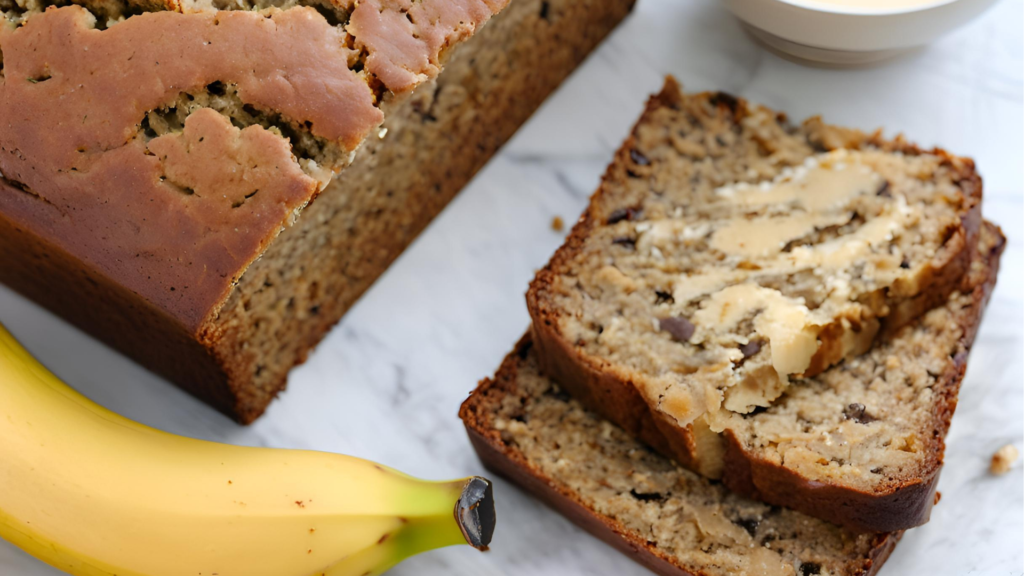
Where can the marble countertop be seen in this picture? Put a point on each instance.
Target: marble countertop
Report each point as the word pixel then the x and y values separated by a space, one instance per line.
pixel 388 380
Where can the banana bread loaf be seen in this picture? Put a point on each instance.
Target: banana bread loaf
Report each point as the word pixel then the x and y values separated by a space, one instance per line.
pixel 728 260
pixel 526 428
pixel 160 160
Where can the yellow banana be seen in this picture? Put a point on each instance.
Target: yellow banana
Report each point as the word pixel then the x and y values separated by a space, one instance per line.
pixel 95 494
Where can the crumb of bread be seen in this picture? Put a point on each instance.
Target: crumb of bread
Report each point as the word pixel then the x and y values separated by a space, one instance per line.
pixel 557 224
pixel 1003 459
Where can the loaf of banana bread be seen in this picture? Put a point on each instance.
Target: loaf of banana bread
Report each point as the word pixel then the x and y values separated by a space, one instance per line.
pixel 527 429
pixel 160 160
pixel 732 269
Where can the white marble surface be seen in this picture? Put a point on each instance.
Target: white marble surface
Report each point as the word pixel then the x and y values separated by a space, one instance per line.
pixel 387 382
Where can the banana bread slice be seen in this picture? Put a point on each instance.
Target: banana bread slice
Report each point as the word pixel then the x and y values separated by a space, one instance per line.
pixel 674 522
pixel 160 160
pixel 729 257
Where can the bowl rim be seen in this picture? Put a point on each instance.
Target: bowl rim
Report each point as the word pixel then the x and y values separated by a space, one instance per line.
pixel 828 8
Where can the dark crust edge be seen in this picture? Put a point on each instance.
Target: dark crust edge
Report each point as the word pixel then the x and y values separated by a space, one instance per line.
pixel 610 391
pixel 509 463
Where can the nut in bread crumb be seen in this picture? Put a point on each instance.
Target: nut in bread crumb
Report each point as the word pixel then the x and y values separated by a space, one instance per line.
pixel 557 224
pixel 1003 459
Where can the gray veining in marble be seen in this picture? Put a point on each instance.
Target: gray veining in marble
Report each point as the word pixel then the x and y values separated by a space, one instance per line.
pixel 387 382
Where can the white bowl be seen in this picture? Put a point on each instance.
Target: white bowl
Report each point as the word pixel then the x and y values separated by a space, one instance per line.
pixel 844 33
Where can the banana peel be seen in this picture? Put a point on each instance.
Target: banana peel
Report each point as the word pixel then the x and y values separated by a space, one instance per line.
pixel 95 494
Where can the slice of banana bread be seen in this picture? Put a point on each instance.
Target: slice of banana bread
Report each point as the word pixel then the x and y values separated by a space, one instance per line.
pixel 160 160
pixel 674 522
pixel 729 257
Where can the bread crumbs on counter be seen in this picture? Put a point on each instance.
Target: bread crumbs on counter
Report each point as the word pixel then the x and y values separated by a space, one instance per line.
pixel 1003 460
pixel 557 224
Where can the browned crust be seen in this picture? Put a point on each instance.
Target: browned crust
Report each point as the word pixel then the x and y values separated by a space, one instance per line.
pixel 509 463
pixel 565 34
pixel 609 391
pixel 906 505
pixel 213 364
pixel 191 210
pixel 44 272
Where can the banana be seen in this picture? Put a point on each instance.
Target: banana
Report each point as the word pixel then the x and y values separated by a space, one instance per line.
pixel 95 494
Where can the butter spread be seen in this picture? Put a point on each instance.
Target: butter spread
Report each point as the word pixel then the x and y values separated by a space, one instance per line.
pixel 825 181
pixel 753 228
pixel 822 187
pixel 762 237
pixel 690 287
pixel 786 322
pixel 841 252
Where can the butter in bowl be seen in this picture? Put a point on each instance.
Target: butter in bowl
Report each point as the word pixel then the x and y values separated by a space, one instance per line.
pixel 851 32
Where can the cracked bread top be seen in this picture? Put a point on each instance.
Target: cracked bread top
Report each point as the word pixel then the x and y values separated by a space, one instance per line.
pixel 166 143
pixel 728 252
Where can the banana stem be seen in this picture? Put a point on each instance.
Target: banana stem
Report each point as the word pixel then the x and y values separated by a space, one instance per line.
pixel 474 512
pixel 470 501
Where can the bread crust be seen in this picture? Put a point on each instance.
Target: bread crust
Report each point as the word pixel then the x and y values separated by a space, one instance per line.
pixel 209 355
pixel 191 209
pixel 506 461
pixel 610 391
